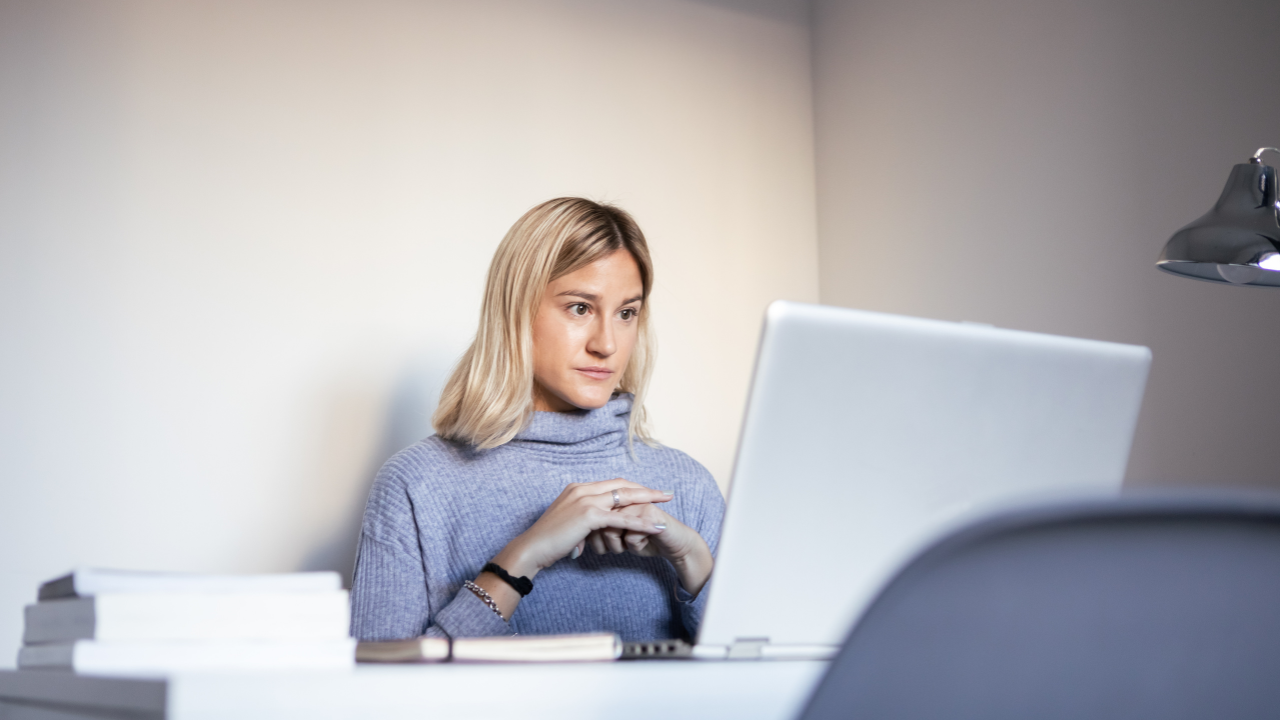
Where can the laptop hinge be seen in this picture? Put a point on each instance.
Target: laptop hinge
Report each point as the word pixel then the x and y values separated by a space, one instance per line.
pixel 747 648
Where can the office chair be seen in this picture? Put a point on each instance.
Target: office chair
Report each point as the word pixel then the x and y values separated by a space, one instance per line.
pixel 1139 607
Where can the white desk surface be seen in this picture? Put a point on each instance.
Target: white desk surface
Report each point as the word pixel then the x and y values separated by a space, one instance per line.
pixel 652 690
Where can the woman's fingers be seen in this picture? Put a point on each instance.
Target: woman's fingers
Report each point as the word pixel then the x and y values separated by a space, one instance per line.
pixel 628 492
pixel 640 543
pixel 574 521
pixel 635 495
pixel 624 521
pixel 636 543
pixel 646 511
pixel 613 541
pixel 667 543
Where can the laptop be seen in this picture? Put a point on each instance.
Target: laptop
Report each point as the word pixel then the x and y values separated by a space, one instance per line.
pixel 866 435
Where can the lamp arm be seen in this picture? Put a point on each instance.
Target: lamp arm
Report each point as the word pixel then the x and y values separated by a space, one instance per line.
pixel 1257 157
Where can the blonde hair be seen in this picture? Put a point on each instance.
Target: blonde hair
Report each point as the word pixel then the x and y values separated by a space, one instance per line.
pixel 489 397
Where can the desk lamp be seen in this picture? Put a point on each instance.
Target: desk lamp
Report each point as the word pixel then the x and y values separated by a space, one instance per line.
pixel 1238 241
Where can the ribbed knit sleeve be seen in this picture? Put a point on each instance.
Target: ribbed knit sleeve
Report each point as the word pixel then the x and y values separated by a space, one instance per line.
pixel 390 597
pixel 388 594
pixel 468 616
pixel 704 514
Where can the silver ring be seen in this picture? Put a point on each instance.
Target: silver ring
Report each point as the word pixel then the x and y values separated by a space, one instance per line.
pixel 616 499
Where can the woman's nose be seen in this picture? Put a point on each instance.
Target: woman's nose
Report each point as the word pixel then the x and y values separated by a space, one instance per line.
pixel 602 342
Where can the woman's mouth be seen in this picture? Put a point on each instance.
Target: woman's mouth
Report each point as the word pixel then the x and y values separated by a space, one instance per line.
pixel 596 373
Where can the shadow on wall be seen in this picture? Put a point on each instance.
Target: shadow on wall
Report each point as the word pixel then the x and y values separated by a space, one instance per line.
pixel 409 408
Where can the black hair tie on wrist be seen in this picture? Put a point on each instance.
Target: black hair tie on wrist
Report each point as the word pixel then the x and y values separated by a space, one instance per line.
pixel 522 585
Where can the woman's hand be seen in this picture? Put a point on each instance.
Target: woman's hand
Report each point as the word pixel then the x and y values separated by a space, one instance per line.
pixel 564 526
pixel 678 543
pixel 580 509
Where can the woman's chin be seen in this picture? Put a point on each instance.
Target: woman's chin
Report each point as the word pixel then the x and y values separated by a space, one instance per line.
pixel 593 400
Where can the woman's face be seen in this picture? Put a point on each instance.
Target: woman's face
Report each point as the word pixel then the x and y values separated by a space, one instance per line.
pixel 584 332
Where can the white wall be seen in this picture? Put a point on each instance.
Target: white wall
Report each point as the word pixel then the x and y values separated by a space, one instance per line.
pixel 1022 162
pixel 241 244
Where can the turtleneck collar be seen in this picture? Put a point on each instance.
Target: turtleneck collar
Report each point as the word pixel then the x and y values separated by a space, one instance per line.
pixel 579 431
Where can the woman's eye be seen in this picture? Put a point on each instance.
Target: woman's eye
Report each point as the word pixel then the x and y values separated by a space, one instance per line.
pixel 627 313
pixel 578 309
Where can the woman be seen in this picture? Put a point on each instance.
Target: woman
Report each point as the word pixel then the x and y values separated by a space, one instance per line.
pixel 532 510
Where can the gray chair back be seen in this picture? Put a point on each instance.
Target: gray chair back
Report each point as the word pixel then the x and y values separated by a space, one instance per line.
pixel 1142 607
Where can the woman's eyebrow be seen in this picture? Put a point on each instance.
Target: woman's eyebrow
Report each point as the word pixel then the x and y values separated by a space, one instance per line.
pixel 578 293
pixel 592 297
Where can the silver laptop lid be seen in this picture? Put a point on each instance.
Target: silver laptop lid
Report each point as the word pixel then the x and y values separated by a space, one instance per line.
pixel 867 434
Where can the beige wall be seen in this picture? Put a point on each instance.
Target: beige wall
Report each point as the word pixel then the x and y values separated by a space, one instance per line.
pixel 1023 162
pixel 241 243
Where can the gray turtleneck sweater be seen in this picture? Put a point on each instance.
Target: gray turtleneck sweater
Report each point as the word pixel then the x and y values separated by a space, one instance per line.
pixel 438 511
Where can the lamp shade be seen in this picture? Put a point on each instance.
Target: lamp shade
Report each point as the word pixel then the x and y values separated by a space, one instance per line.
pixel 1236 242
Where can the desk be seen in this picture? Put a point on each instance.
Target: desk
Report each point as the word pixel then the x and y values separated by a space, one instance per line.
pixel 652 690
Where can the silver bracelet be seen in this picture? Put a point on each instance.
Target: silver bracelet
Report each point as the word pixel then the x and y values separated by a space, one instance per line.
pixel 484 597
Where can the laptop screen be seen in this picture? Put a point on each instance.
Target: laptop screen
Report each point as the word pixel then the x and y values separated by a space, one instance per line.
pixel 866 435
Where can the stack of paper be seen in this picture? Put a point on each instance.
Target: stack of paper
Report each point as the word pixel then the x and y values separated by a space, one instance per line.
pixel 119 622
